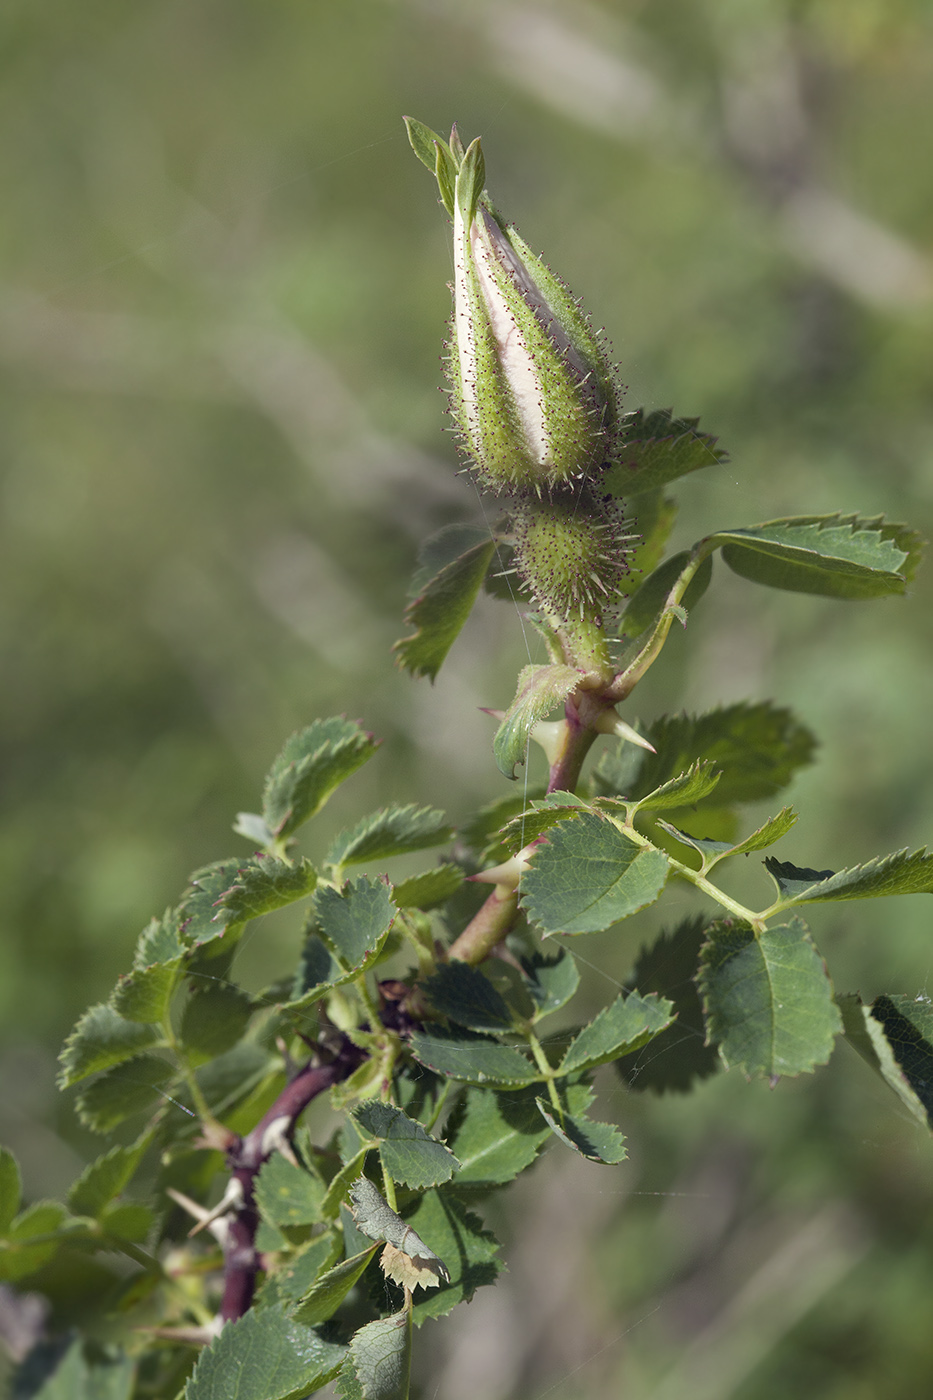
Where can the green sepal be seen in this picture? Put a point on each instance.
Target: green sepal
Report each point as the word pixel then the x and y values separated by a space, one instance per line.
pixel 659 448
pixel 312 764
pixel 441 608
pixel 589 875
pixel 768 999
pixel 540 689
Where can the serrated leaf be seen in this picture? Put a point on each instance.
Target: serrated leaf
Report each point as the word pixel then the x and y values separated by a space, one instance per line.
pixel 145 993
pixel 394 831
pixel 376 1219
pixel 539 817
pixel 688 788
pixel 678 1056
pixel 463 994
pixel 659 448
pixel 597 1142
pixel 299 1273
pixel 714 851
pixel 215 1016
pixel 254 828
pixel 652 521
pixel 441 608
pixel 756 747
pixel 895 1036
pixel 409 1153
pixel 100 1039
pixel 495 1135
pixel 76 1378
pixel 264 1355
pixel 128 1220
pixel 313 763
pixel 551 980
pixel 318 970
pixel 103 1180
pixel 19 1257
pixel 481 833
pixel 663 589
pixel 588 876
pixel 624 1025
pixel 768 1000
pixel 431 888
pixel 476 1059
pixel 199 917
pixel 834 556
pixel 540 688
pixel 379 1364
pixel 900 873
pixel 329 1291
pixel 457 1236
pixel 263 884
pixel 127 1089
pixel 287 1194
pixel 10 1189
pixel 160 941
pixel 355 920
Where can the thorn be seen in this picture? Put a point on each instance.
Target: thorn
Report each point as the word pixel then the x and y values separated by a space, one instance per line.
pixel 505 877
pixel 610 723
pixel 230 1201
pixel 194 1336
pixel 275 1139
pixel 218 1227
pixel 551 735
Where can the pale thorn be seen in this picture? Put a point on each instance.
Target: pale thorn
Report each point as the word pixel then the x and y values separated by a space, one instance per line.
pixel 610 723
pixel 551 734
pixel 505 877
pixel 275 1139
pixel 194 1336
pixel 230 1201
pixel 219 1227
pixel 493 714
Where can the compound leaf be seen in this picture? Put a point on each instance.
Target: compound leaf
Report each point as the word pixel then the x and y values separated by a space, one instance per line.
pixel 391 832
pixel 623 1026
pixel 444 600
pixel 409 1153
pixel 314 762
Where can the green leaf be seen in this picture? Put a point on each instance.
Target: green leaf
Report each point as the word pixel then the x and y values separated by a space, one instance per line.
pixel 714 851
pixel 379 1364
pixel 661 590
pixel 624 1025
pixel 653 521
pixel 198 913
pixel 446 546
pixel 409 1154
pixel 441 608
pixel 659 448
pixel 145 993
pixel 103 1180
pixel 263 884
pixel 159 942
pixel 428 890
pixel 455 1235
pixel 551 980
pixel 679 1055
pixel 287 1194
pixel 391 832
pixel 100 1039
pixel 900 873
pixel 264 1355
pixel 588 876
pixel 597 1142
pixel 355 921
pixel 75 1378
pixel 756 747
pixel 835 556
pixel 481 833
pixel 768 1000
pixel 318 971
pixel 215 1016
pixel 686 790
pixel 495 1136
pixel 314 762
pixel 535 820
pixel 540 689
pixel 464 995
pixel 18 1256
pixel 299 1273
pixel 895 1036
pixel 130 1088
pixel 10 1189
pixel 329 1291
pixel 476 1059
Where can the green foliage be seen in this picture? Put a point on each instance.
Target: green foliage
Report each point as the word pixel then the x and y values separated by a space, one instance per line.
pixel 540 689
pixel 314 762
pixel 442 606
pixel 265 1356
pixel 393 832
pixel 657 449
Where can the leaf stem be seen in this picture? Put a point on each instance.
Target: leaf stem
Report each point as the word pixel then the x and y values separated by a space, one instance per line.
pixel 547 1073
pixel 489 925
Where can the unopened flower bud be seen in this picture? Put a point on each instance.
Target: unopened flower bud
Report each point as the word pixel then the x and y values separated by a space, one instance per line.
pixel 532 388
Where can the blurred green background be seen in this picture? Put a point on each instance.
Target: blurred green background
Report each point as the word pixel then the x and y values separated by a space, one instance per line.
pixel 221 311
